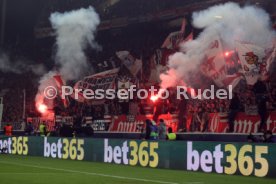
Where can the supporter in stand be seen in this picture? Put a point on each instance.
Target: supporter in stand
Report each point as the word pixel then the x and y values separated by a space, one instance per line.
pixel 153 131
pixel 204 119
pixel 133 108
pixel 251 138
pixel 196 119
pixel 273 98
pixel 8 129
pixel 233 110
pixel 88 130
pixel 269 138
pixel 148 129
pixel 182 115
pixel 171 136
pixel 29 130
pixel 66 130
pixel 42 129
pixel 260 91
pixel 162 129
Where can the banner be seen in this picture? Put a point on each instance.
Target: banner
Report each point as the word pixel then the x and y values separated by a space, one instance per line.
pixel 104 80
pixel 246 159
pixel 125 123
pixel 137 123
pixel 253 61
pixel 218 123
pixel 102 124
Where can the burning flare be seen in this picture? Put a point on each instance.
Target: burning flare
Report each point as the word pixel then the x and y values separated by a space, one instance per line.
pixel 42 108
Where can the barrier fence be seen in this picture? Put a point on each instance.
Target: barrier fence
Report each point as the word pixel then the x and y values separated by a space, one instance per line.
pixel 245 159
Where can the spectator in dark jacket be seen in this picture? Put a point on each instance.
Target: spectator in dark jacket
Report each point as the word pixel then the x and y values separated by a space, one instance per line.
pixel 268 137
pixel 260 91
pixel 233 110
pixel 148 128
pixel 29 130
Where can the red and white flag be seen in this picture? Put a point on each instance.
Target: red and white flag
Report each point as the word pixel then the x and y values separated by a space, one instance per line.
pixel 175 38
pixel 252 58
pixel 134 65
pixel 59 83
pixel 214 63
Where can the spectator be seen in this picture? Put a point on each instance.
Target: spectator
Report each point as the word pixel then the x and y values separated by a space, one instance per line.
pixel 148 129
pixel 8 130
pixel 153 131
pixel 268 137
pixel 204 119
pixel 42 129
pixel 162 129
pixel 29 130
pixel 88 130
pixel 171 136
pixel 233 110
pixel 196 121
pixel 260 91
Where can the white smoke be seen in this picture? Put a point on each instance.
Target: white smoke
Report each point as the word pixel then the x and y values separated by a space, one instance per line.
pixel 19 66
pixel 74 30
pixel 228 21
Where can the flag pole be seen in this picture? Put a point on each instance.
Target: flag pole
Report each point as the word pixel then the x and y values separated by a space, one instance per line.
pixel 1 111
pixel 24 104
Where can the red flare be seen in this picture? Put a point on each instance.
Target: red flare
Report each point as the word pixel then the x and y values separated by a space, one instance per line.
pixel 154 98
pixel 42 108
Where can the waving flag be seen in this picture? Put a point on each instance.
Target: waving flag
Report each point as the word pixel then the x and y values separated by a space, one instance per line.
pixel 134 65
pixel 214 63
pixel 252 58
pixel 59 82
pixel 175 38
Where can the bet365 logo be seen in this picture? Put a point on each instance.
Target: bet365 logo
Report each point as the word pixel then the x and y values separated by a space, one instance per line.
pixel 132 153
pixel 64 149
pixel 247 160
pixel 15 145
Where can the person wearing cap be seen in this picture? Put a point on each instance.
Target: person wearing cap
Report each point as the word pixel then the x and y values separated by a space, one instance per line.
pixel 171 136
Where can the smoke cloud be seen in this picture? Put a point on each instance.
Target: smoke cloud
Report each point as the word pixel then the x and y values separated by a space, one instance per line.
pixel 19 66
pixel 228 21
pixel 75 31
